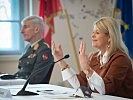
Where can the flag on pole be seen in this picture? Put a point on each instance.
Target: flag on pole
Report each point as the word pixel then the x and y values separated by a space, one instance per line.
pixel 48 9
pixel 125 9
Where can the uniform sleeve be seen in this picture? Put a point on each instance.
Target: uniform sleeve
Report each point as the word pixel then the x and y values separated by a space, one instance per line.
pixel 43 64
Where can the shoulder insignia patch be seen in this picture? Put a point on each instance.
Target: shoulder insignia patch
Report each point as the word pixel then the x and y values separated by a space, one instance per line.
pixel 44 56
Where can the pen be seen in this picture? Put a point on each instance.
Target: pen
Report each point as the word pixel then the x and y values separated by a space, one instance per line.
pixel 44 90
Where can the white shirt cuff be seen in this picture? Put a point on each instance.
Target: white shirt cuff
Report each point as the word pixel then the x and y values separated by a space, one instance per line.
pixel 95 81
pixel 67 73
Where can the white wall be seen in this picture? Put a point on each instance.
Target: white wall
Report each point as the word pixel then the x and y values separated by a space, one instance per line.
pixel 82 14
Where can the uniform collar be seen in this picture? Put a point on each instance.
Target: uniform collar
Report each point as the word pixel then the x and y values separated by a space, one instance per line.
pixel 32 45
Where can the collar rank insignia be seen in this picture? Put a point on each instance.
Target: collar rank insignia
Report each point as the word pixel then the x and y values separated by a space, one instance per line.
pixel 36 46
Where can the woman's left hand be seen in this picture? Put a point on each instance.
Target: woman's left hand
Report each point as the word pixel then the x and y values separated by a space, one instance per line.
pixel 85 60
pixel 83 57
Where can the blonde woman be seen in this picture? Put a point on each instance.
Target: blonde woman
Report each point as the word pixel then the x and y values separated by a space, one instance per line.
pixel 106 71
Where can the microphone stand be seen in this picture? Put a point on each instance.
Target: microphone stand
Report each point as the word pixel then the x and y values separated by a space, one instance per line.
pixel 22 92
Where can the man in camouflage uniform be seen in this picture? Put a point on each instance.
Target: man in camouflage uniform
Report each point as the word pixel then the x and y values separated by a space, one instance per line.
pixel 37 61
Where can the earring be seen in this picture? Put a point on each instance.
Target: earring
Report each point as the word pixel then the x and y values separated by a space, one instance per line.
pixel 108 46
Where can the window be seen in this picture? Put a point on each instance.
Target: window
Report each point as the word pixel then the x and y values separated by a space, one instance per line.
pixel 11 14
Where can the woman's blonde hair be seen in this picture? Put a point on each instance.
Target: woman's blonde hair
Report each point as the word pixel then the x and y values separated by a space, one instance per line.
pixel 111 27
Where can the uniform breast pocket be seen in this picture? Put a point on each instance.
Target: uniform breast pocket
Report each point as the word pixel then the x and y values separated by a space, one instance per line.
pixel 27 61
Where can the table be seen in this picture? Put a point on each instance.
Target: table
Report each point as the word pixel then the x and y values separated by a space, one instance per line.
pixel 58 93
pixel 12 82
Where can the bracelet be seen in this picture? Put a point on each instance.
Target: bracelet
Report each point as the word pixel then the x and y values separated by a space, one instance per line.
pixel 64 67
pixel 88 72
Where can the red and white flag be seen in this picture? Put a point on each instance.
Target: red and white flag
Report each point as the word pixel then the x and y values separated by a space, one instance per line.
pixel 48 9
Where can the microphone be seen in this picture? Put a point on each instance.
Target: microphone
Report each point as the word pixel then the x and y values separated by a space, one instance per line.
pixel 22 92
pixel 82 92
pixel 65 57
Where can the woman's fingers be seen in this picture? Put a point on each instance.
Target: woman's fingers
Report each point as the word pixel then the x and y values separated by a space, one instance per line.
pixel 53 47
pixel 82 47
pixel 60 48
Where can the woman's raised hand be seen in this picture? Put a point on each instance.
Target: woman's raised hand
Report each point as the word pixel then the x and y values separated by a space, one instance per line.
pixel 57 52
